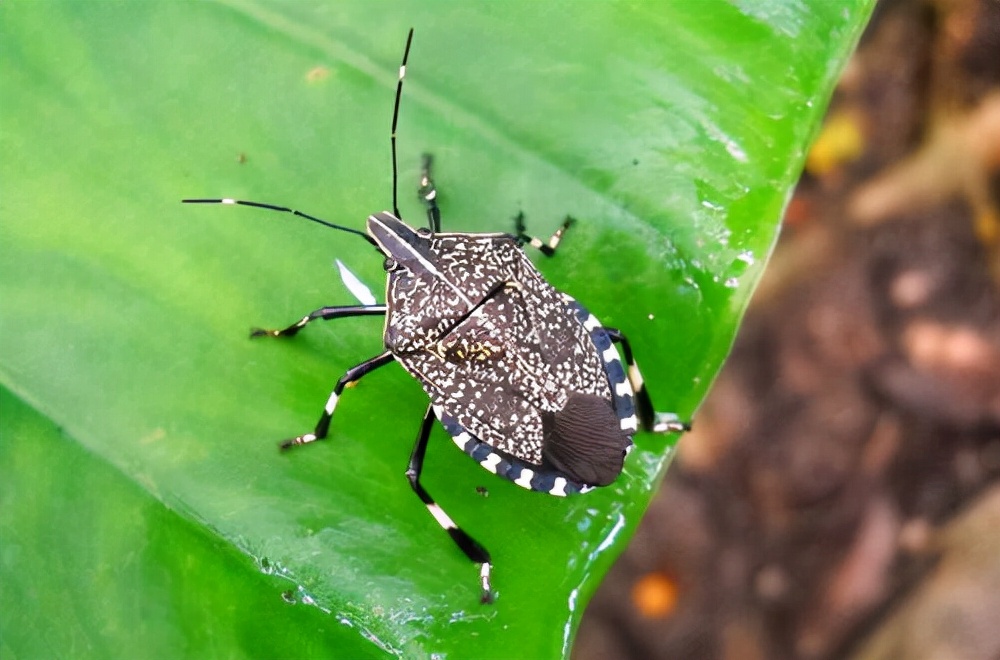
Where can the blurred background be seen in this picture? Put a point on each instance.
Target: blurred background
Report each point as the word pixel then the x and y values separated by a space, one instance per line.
pixel 839 496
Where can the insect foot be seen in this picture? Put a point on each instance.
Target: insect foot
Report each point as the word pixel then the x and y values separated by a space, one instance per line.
pixel 669 423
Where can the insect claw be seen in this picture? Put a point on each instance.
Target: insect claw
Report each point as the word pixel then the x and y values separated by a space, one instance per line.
pixel 290 331
pixel 669 423
pixel 261 332
pixel 519 223
pixel 484 577
pixel 297 440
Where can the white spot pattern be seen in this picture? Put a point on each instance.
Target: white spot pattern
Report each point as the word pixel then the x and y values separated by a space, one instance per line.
pixel 491 462
pixel 525 479
pixel 559 488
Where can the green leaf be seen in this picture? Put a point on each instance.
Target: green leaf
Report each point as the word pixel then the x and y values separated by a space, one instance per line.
pixel 143 498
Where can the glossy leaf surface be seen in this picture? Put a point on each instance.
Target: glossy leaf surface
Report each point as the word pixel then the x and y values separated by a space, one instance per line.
pixel 144 500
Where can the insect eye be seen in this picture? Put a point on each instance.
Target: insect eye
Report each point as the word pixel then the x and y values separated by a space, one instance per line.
pixel 390 264
pixel 424 232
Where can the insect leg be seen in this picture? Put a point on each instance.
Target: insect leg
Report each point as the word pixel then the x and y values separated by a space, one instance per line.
pixel 428 193
pixel 549 248
pixel 353 374
pixel 325 313
pixel 648 417
pixel 472 549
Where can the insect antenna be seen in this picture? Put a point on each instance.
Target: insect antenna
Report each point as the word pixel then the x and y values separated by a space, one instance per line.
pixel 395 118
pixel 395 169
pixel 282 209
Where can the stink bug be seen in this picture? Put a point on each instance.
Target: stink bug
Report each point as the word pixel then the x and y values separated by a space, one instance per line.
pixel 525 380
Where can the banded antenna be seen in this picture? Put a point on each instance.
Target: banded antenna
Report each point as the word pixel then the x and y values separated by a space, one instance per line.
pixel 282 209
pixel 395 118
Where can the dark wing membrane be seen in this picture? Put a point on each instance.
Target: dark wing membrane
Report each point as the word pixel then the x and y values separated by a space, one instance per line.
pixel 585 441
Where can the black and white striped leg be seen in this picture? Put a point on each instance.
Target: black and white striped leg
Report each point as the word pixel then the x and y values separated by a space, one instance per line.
pixel 325 313
pixel 549 248
pixel 472 549
pixel 428 193
pixel 353 374
pixel 649 419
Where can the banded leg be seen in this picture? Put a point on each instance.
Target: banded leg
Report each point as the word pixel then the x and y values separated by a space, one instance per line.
pixel 325 313
pixel 649 419
pixel 428 194
pixel 548 249
pixel 472 549
pixel 353 374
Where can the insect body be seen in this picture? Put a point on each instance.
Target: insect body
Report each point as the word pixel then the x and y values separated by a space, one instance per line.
pixel 525 380
pixel 505 358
